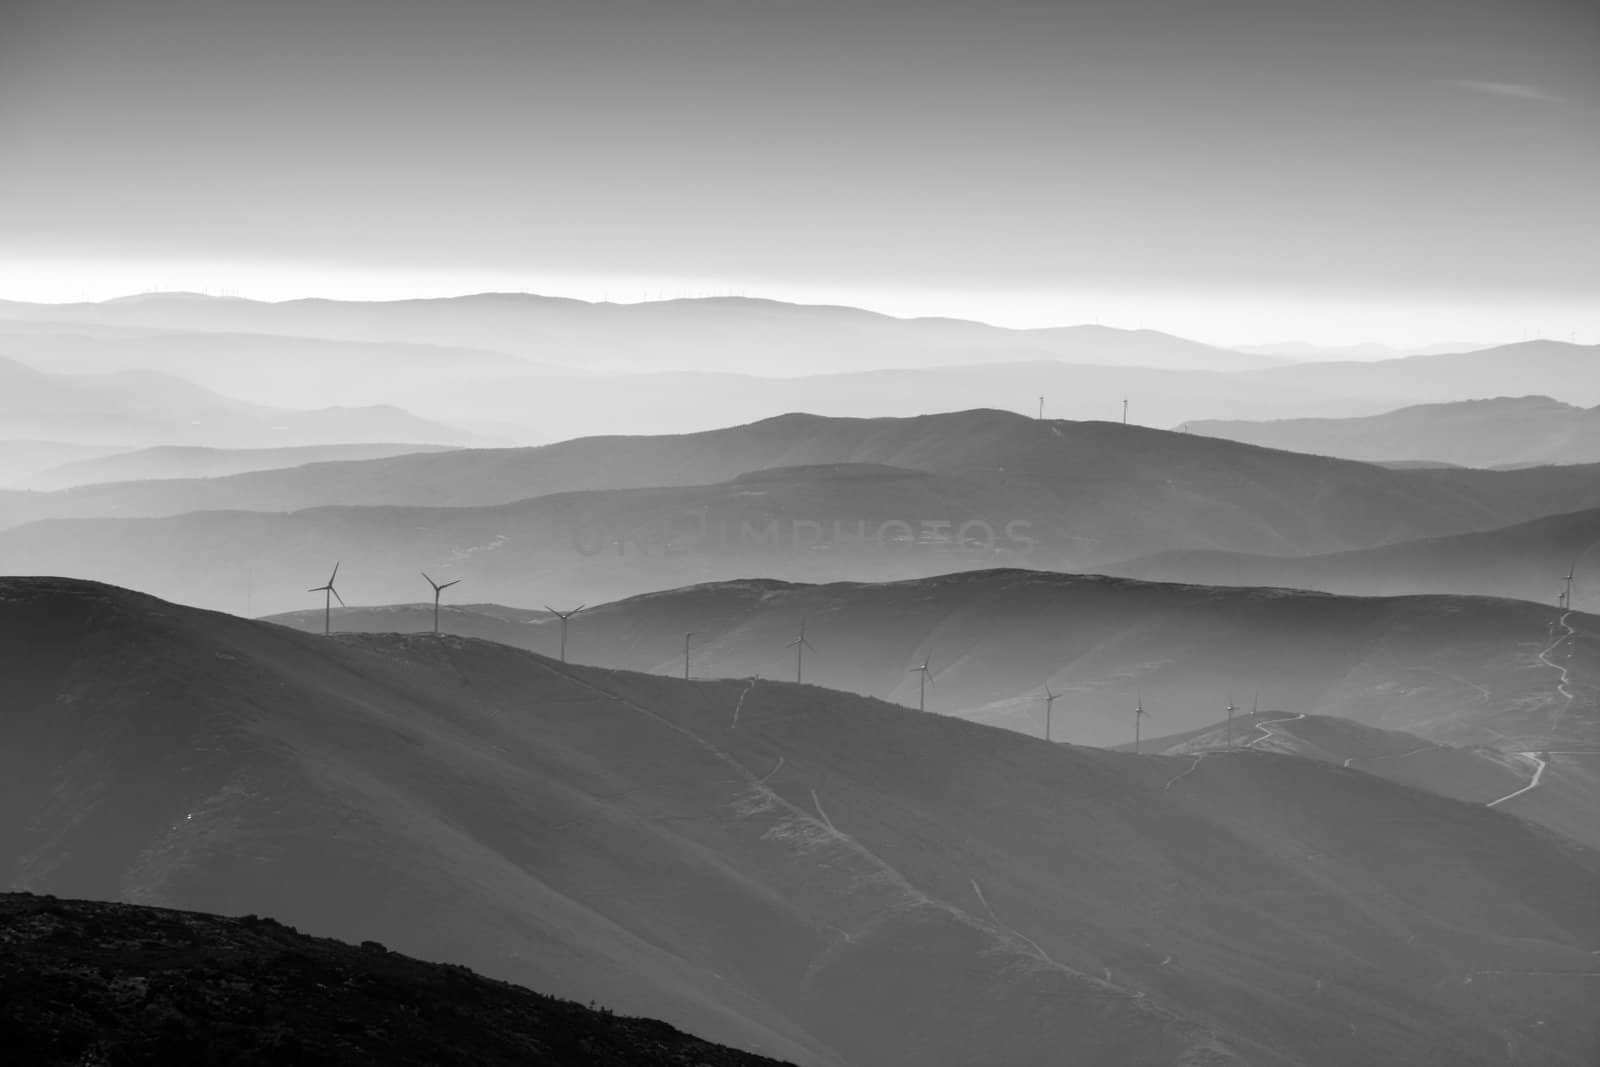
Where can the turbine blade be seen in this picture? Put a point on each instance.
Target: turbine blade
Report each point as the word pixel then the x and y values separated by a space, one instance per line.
pixel 430 581
pixel 336 595
pixel 447 585
pixel 335 573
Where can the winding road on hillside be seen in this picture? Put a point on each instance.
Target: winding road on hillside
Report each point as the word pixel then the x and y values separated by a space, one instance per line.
pixel 1564 688
pixel 1266 733
pixel 1538 776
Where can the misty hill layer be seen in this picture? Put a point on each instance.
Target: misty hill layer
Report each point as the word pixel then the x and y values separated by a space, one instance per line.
pixel 1461 670
pixel 1508 431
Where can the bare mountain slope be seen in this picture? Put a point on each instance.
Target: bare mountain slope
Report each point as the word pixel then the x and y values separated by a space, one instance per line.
pixel 777 866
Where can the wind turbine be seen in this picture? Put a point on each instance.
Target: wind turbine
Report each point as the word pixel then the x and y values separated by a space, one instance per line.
pixel 687 634
pixel 564 616
pixel 1041 407
pixel 1138 720
pixel 800 644
pixel 1231 710
pixel 1049 705
pixel 923 681
pixel 1566 595
pixel 328 594
pixel 1124 411
pixel 437 589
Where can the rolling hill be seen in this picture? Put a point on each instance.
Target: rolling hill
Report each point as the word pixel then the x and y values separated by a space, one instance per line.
pixel 828 878
pixel 88 982
pixel 1558 787
pixel 1504 432
pixel 1459 670
pixel 1528 561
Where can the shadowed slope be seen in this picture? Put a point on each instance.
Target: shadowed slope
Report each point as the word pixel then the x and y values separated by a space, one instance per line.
pixel 87 982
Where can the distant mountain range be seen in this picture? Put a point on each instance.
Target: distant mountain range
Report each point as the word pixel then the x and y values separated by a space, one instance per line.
pixel 526 368
pixel 1451 669
pixel 827 878
pixel 829 499
pixel 251 991
pixel 133 408
pixel 1504 432
pixel 723 333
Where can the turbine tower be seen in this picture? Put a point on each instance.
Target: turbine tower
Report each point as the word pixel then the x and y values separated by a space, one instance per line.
pixel 1138 720
pixel 687 634
pixel 437 589
pixel 923 681
pixel 1049 706
pixel 1231 710
pixel 1566 595
pixel 1041 407
pixel 800 644
pixel 328 594
pixel 1124 411
pixel 564 616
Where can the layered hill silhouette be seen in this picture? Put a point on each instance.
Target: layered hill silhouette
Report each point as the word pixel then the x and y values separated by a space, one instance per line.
pixel 832 499
pixel 1458 670
pixel 86 981
pixel 831 879
pixel 1529 561
pixel 1504 432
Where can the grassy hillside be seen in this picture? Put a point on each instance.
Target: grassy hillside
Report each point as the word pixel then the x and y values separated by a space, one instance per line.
pixel 826 878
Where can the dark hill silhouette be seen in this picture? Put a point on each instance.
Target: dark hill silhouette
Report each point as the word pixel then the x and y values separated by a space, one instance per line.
pixel 830 878
pixel 251 991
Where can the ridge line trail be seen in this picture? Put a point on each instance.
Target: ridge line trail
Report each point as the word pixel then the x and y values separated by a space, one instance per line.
pixel 1538 775
pixel 1266 733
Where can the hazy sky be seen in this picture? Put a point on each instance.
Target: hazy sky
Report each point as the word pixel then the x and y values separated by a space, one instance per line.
pixel 1238 170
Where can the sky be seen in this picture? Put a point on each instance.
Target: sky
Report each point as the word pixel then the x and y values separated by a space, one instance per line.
pixel 1238 171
